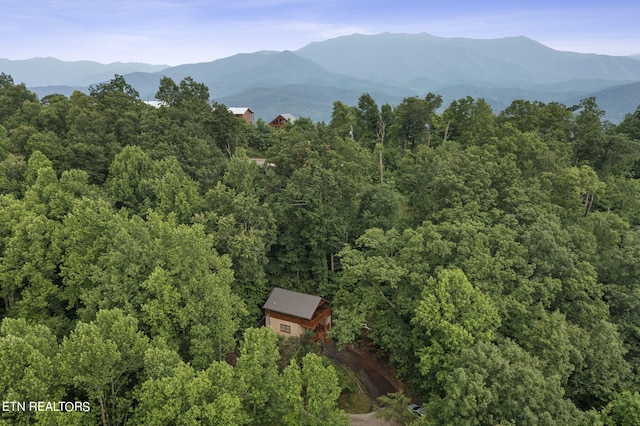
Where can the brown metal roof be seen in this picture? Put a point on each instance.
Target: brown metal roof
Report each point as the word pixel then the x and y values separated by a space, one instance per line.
pixel 292 303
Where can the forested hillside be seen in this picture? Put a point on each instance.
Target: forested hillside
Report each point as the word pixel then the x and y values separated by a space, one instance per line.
pixel 494 259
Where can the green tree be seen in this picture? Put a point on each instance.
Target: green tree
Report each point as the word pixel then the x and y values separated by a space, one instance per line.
pixel 98 132
pixel 500 384
pixel 523 115
pixel 393 406
pixel 101 360
pixel 129 176
pixel 380 207
pixel 13 97
pixel 576 189
pixel 343 119
pixel 27 367
pixel 600 368
pixel 119 108
pixel 188 300
pixel 454 315
pixel 12 170
pixel 181 395
pixel 244 229
pixel 322 392
pixel 589 135
pixel 316 183
pixel 624 410
pixel 117 85
pixel 415 121
pixel 257 376
pixel 630 125
pixel 225 128
pixel 168 92
pixel 28 271
pixel 382 275
pixel 469 121
pixel 368 126
pixel 550 339
pixel 188 93
pixel 292 399
pixel 242 174
pixel 171 191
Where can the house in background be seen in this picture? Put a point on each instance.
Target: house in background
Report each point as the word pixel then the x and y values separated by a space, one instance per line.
pixel 291 313
pixel 281 120
pixel 242 112
pixel 155 103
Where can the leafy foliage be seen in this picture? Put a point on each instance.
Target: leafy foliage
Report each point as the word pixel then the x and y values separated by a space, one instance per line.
pixel 492 258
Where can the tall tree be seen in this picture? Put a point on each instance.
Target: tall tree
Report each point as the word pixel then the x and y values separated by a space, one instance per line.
pixel 500 384
pixel 368 124
pixel 469 121
pixel 181 395
pixel 322 392
pixel 12 97
pixel 454 315
pixel 258 379
pixel 415 120
pixel 28 370
pixel 102 360
pixel 588 134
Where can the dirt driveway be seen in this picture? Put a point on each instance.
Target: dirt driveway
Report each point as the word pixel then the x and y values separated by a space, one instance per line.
pixel 377 377
pixel 368 419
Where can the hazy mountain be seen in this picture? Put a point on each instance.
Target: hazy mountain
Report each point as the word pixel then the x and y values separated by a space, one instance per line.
pixel 388 66
pixel 43 91
pixel 242 72
pixel 617 101
pixel 416 59
pixel 53 72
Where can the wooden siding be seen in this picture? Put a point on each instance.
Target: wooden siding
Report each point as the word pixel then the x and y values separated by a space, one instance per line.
pixel 322 316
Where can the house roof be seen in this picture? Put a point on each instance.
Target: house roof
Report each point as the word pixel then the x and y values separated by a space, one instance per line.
pixel 156 104
pixel 289 117
pixel 239 110
pixel 292 303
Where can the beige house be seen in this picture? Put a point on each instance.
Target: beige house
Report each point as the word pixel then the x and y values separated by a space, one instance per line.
pixel 243 112
pixel 291 313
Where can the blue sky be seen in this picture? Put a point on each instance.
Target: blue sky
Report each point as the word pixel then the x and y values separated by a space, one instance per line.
pixel 187 31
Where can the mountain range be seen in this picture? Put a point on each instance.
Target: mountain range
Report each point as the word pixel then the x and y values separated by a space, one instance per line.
pixel 388 66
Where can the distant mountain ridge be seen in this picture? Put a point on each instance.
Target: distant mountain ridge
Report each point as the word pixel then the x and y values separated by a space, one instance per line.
pixel 54 72
pixel 388 66
pixel 411 57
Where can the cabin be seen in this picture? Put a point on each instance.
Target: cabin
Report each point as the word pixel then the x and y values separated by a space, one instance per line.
pixel 293 314
pixel 242 112
pixel 281 120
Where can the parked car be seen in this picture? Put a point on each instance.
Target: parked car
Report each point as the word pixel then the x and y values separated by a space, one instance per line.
pixel 416 409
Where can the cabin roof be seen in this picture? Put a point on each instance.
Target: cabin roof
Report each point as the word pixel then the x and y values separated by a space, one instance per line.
pixel 289 302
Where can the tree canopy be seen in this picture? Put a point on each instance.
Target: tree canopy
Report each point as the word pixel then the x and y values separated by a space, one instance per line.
pixel 491 257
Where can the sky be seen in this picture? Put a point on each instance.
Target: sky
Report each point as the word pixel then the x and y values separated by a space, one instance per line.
pixel 174 32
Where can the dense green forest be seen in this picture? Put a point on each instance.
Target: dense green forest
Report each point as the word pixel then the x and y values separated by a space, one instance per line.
pixel 493 258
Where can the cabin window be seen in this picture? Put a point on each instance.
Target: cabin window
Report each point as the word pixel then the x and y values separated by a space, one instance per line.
pixel 285 328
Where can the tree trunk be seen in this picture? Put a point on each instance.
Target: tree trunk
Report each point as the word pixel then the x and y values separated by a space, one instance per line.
pixel 103 411
pixel 588 203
